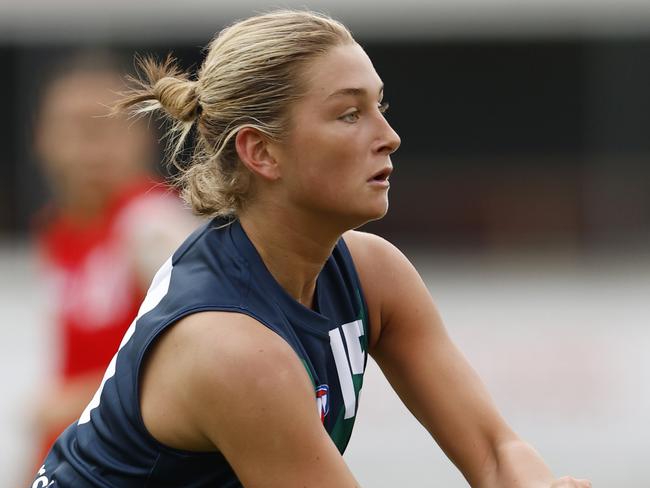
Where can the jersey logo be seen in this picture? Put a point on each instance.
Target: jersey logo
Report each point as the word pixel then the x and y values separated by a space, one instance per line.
pixel 323 401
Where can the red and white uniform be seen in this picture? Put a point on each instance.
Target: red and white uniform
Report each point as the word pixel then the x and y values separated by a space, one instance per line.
pixel 93 275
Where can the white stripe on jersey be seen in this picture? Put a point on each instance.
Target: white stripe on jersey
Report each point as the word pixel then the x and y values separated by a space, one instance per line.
pixel 158 289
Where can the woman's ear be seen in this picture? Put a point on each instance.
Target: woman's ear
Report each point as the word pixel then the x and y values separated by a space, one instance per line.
pixel 253 151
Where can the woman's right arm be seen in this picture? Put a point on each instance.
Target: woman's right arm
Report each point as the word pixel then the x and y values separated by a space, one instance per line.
pixel 239 387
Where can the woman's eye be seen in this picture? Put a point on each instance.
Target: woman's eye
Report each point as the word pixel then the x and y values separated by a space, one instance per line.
pixel 350 117
pixel 354 116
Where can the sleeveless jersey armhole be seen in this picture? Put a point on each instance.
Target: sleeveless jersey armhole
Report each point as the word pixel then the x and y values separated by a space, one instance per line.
pixel 147 349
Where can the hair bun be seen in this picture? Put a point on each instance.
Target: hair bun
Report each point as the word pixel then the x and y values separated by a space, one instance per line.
pixel 178 97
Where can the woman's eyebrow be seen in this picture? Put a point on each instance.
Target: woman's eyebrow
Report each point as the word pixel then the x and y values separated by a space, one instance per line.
pixel 353 91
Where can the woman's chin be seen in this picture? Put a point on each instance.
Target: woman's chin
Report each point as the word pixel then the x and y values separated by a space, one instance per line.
pixel 376 212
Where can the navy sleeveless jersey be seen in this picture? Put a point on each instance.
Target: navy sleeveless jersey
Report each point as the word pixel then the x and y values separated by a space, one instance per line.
pixel 217 268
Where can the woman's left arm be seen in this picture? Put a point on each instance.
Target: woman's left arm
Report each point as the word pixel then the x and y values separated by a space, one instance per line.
pixel 434 380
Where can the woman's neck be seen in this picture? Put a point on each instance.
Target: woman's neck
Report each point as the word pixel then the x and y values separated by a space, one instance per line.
pixel 294 249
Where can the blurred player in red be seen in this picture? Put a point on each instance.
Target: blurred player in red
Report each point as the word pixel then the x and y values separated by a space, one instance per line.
pixel 109 227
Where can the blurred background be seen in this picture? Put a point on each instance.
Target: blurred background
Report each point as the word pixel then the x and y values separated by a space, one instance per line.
pixel 521 193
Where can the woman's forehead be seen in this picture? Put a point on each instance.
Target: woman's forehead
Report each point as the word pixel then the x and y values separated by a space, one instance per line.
pixel 344 70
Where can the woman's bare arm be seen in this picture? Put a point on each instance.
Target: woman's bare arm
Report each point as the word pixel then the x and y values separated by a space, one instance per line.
pixel 432 377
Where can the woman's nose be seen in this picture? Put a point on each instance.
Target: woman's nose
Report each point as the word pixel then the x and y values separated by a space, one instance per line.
pixel 389 139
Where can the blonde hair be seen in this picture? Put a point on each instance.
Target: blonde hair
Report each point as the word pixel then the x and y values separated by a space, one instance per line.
pixel 251 75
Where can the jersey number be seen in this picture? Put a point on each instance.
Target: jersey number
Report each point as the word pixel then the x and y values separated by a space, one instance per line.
pixel 351 331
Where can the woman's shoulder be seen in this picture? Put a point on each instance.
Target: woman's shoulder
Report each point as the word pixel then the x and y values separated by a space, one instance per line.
pixel 205 369
pixel 384 273
pixel 215 350
pixel 372 253
pixel 230 336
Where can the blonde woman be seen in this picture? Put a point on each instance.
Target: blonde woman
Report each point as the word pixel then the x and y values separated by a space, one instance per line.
pixel 244 365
